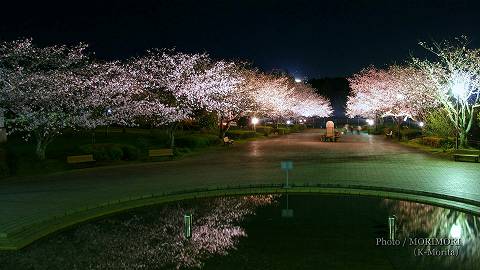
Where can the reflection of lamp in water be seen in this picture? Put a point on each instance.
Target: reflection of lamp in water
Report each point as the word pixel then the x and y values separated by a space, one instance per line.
pixel 187 220
pixel 456 231
pixel 391 227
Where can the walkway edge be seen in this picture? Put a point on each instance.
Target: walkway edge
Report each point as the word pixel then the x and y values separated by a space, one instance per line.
pixel 23 236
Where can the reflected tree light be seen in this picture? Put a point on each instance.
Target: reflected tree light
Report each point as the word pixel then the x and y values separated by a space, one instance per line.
pixel 436 222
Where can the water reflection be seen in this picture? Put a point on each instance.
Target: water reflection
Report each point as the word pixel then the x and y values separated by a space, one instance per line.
pixel 420 220
pixel 149 238
pixel 320 233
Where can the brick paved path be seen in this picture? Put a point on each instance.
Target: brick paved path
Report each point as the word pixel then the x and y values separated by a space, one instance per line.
pixel 356 159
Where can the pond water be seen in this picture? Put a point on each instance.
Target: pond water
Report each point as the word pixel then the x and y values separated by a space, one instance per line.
pixel 257 232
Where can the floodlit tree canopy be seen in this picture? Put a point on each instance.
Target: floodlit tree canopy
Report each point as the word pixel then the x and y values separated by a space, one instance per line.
pixel 48 89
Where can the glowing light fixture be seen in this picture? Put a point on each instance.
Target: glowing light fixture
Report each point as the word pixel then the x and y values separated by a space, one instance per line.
pixel 370 122
pixel 297 80
pixel 456 231
pixel 460 85
pixel 289 122
pixel 421 124
pixel 255 122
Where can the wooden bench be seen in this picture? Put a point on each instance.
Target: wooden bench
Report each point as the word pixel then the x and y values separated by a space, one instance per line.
pixel 334 138
pixel 466 153
pixel 227 141
pixel 80 159
pixel 164 152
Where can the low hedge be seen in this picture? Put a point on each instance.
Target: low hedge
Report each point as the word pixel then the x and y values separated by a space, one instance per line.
pixel 437 142
pixel 282 131
pixel 240 134
pixel 110 152
pixel 410 133
pixel 196 140
pixel 265 130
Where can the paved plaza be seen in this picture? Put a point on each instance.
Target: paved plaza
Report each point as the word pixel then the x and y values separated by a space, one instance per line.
pixel 356 159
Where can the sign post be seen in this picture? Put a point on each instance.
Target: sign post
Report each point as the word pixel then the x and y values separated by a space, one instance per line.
pixel 286 166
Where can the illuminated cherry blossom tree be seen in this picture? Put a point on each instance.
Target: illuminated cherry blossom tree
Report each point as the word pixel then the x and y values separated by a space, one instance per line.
pixel 399 92
pixel 307 103
pixel 43 89
pixel 280 97
pixel 455 76
pixel 191 82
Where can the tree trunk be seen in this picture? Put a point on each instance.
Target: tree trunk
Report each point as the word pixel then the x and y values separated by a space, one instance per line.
pixel 172 136
pixel 223 131
pixel 42 144
pixel 463 139
pixel 399 122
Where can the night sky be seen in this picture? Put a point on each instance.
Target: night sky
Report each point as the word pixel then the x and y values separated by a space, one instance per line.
pixel 306 38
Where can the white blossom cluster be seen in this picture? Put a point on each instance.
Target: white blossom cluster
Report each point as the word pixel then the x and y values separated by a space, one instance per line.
pixel 48 89
pixel 396 91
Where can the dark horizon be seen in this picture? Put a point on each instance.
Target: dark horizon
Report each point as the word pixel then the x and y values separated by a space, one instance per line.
pixel 306 38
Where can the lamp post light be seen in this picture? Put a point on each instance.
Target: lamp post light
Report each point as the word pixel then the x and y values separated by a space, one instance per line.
pixel 108 113
pixel 421 124
pixel 255 122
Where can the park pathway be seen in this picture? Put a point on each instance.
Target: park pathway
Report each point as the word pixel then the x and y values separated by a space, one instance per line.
pixel 356 160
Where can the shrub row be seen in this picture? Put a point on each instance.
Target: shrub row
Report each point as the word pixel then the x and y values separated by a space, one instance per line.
pixel 240 134
pixel 437 142
pixel 410 133
pixel 196 140
pixel 265 130
pixel 110 152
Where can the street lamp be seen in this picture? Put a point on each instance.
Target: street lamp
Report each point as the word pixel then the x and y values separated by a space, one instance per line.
pixel 255 122
pixel 289 122
pixel 108 113
pixel 421 124
pixel 297 80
